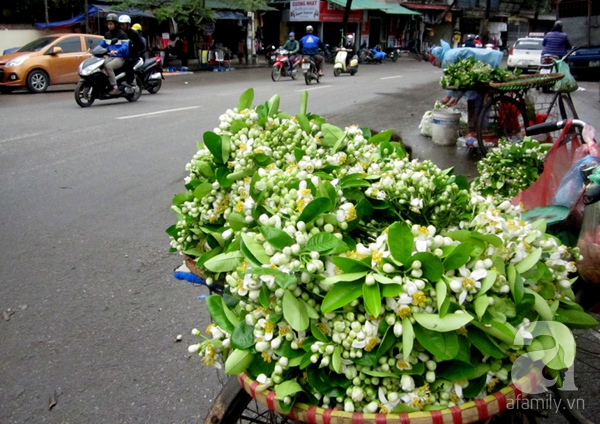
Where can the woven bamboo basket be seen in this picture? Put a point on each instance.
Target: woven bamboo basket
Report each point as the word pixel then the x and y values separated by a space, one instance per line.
pixel 469 412
pixel 523 82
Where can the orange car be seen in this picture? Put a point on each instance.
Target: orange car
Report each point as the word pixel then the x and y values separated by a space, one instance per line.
pixel 53 59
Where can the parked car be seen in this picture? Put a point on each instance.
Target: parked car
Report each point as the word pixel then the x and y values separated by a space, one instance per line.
pixel 585 62
pixel 49 60
pixel 525 54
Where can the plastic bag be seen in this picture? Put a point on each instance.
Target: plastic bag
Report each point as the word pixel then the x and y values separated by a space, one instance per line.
pixel 572 185
pixel 589 245
pixel 567 84
pixel 426 123
pixel 558 162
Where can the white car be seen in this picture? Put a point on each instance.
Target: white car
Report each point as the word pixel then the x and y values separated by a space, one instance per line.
pixel 525 54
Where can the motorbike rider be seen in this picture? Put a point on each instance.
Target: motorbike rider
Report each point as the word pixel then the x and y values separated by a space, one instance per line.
pixel 138 28
pixel 556 42
pixel 309 45
pixel 293 46
pixel 348 44
pixel 136 47
pixel 117 43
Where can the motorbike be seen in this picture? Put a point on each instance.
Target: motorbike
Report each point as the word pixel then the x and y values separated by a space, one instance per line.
pixel 94 85
pixel 367 55
pixel 281 67
pixel 271 54
pixel 151 75
pixel 393 53
pixel 340 63
pixel 309 68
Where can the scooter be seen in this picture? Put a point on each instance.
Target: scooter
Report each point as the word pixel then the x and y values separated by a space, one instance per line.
pixel 309 68
pixel 281 67
pixel 151 74
pixel 94 82
pixel 340 63
pixel 393 53
pixel 271 54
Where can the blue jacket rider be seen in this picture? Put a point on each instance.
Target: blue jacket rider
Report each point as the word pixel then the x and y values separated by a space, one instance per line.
pixel 117 43
pixel 309 45
pixel 556 42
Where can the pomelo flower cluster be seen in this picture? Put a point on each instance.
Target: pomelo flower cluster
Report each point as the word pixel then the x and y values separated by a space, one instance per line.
pixel 355 277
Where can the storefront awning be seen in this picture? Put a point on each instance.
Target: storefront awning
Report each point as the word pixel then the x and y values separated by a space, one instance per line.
pixel 229 14
pixel 390 8
pixel 93 10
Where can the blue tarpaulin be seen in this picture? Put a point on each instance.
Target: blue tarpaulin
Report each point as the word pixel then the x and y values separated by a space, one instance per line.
pixel 92 11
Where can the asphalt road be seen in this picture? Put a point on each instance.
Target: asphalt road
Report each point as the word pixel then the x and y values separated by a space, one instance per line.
pixel 91 312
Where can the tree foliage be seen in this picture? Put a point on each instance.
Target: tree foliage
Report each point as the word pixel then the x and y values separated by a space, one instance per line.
pixel 188 13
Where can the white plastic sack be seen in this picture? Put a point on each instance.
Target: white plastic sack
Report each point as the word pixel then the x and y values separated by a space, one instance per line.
pixel 426 123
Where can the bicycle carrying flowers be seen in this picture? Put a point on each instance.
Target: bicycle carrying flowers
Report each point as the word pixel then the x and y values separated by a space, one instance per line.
pixel 356 278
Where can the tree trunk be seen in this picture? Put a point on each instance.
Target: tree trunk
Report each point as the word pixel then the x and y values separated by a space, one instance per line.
pixel 346 16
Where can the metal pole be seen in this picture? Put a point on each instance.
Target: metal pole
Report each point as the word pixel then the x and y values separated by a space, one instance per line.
pixel 87 16
pixel 47 17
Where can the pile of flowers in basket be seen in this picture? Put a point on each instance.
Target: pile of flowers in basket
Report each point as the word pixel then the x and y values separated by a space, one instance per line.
pixel 510 168
pixel 470 72
pixel 355 277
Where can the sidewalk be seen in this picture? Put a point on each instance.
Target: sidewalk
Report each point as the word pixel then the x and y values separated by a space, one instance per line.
pixel 195 66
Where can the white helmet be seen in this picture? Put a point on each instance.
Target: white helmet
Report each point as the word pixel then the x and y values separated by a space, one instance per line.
pixel 124 19
pixel 350 37
pixel 309 29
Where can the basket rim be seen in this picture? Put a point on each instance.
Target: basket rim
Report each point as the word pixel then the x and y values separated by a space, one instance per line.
pixel 528 80
pixel 468 412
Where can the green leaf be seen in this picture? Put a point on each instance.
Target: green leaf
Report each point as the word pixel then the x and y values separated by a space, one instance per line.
pixel 482 342
pixel 454 370
pixel 276 237
pixel 575 318
pixel 528 263
pixel 294 312
pixel 540 306
pixel 304 123
pixel 350 265
pixel 180 198
pixel 381 374
pixel 381 137
pixel 263 297
pixel 332 135
pixel 340 295
pixel 236 221
pixel 325 243
pixel 336 359
pixel 225 262
pixel 475 387
pixel 391 290
pixel 449 322
pixel 389 339
pixel 284 280
pixel 492 239
pixel 315 208
pixel 481 303
pixel 487 282
pixel 443 345
pixel 372 299
pixel 214 144
pixel 238 361
pixel 257 250
pixel 318 334
pixel 243 336
pixel 408 337
pixel 246 99
pixel 400 241
pixel 431 265
pixel 441 289
pixel 202 190
pixel 353 276
pixel 287 388
pixel 214 304
pixel 303 102
pixel 459 256
pixel 273 103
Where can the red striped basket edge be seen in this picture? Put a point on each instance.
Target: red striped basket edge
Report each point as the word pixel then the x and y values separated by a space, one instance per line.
pixel 469 412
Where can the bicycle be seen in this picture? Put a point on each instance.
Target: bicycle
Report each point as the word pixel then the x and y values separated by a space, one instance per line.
pixel 509 109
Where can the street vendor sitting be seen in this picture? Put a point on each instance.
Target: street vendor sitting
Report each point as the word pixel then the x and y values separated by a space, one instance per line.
pixel 444 56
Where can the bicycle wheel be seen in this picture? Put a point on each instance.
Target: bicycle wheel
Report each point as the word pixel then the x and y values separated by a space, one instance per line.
pixel 502 117
pixel 234 405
